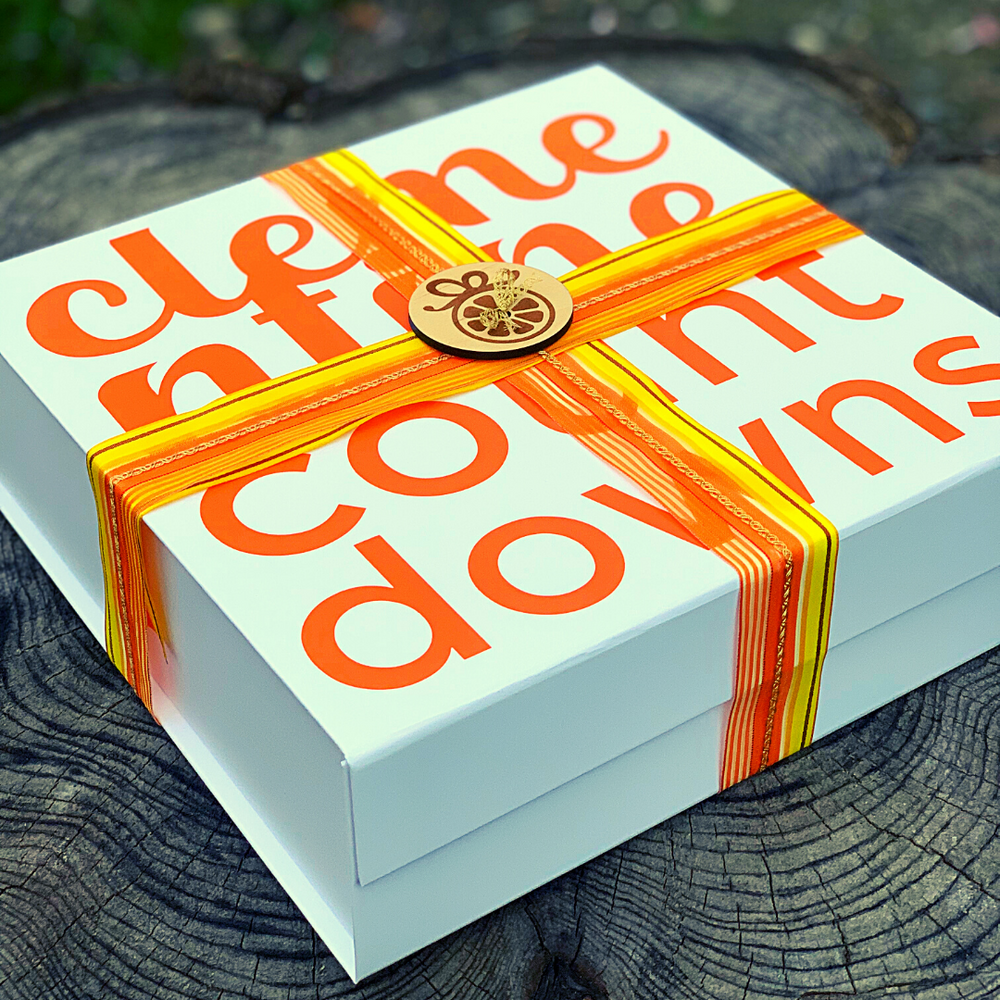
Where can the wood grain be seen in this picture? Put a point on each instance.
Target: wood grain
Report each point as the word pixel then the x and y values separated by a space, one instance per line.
pixel 868 865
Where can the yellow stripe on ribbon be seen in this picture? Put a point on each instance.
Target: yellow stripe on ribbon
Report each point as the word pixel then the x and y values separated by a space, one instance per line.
pixel 783 550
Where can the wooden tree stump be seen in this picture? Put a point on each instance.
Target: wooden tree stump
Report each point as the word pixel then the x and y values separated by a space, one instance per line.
pixel 867 865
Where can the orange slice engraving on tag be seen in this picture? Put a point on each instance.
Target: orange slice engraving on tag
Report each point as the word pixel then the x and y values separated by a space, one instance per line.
pixel 490 310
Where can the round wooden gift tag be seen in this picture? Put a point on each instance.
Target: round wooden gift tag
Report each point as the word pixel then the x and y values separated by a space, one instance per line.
pixel 490 310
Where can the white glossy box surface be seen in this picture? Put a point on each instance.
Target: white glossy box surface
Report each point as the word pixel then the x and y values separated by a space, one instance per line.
pixel 394 816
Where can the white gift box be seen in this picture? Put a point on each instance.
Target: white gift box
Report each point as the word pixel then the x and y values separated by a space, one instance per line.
pixel 394 816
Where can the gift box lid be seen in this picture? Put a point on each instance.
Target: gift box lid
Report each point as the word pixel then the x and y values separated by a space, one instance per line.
pixel 574 620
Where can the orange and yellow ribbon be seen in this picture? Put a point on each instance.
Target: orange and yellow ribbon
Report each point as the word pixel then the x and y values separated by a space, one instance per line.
pixel 782 548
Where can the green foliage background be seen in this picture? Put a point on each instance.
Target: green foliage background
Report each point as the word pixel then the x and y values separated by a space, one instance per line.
pixel 47 48
pixel 944 55
pixel 50 47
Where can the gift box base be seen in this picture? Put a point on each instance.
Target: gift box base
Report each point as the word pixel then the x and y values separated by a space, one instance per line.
pixel 291 797
pixel 369 927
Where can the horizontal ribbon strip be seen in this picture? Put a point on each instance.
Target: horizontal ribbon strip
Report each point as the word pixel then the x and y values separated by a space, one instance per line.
pixel 782 548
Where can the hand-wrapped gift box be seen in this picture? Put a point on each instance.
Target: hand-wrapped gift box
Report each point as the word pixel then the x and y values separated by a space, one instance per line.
pixel 454 653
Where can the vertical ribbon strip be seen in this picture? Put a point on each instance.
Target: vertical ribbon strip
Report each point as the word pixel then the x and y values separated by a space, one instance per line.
pixel 783 550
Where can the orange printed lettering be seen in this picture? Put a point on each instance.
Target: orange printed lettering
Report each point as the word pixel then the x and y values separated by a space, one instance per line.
pixel 133 402
pixel 649 212
pixel 790 272
pixel 484 566
pixel 770 455
pixel 491 450
pixel 273 284
pixel 492 250
pixel 667 332
pixel 449 631
pixel 928 363
pixel 52 327
pixel 220 519
pixel 393 303
pixel 578 248
pixel 559 140
pixel 181 291
pixel 557 137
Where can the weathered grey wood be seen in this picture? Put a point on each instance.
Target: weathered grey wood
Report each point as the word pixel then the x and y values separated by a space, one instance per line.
pixel 916 211
pixel 76 173
pixel 868 865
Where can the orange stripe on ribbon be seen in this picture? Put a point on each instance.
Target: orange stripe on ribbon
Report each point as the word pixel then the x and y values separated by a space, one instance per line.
pixel 782 548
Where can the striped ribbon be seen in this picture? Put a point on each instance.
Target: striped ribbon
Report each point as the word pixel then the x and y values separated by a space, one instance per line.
pixel 783 549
